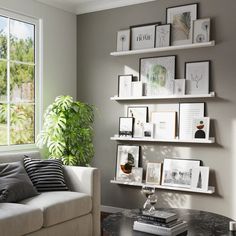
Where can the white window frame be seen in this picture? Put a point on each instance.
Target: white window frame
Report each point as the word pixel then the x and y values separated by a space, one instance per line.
pixel 38 76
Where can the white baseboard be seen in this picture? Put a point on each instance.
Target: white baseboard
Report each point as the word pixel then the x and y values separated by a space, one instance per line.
pixel 111 209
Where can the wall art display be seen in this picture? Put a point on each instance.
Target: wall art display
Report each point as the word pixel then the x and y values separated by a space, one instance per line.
pixel 201 128
pixel 140 115
pixel 165 124
pixel 197 77
pixel 162 35
pixel 126 126
pixel 200 178
pixel 127 158
pixel 137 89
pixel 153 174
pixel 178 172
pixel 201 30
pixel 124 85
pixel 148 130
pixel 188 111
pixel 181 19
pixel 179 87
pixel 158 74
pixel 143 36
pixel 123 40
pixel 137 175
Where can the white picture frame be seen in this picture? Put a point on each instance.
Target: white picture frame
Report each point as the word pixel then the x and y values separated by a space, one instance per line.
pixel 178 172
pixel 162 35
pixel 148 130
pixel 201 30
pixel 201 128
pixel 200 178
pixel 153 173
pixel 137 174
pixel 126 126
pixel 124 85
pixel 181 19
pixel 158 74
pixel 197 77
pixel 179 87
pixel 165 125
pixel 123 40
pixel 127 158
pixel 137 89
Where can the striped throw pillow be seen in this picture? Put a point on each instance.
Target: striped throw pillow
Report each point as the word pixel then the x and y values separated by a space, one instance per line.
pixel 46 175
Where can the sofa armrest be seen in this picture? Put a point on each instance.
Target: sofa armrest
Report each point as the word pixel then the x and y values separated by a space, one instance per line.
pixel 86 180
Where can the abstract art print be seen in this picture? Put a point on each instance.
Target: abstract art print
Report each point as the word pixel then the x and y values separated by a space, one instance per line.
pixel 158 74
pixel 201 30
pixel 153 174
pixel 200 178
pixel 201 128
pixel 163 35
pixel 181 19
pixel 178 172
pixel 123 40
pixel 125 85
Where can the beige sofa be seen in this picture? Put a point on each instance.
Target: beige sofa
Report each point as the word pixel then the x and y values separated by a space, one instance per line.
pixel 63 213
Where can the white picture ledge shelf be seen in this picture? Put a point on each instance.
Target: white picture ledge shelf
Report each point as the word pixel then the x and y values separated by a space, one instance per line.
pixel 210 190
pixel 117 138
pixel 186 96
pixel 164 49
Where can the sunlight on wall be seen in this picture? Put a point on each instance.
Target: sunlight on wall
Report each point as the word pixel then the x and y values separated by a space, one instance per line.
pixel 233 187
pixel 129 71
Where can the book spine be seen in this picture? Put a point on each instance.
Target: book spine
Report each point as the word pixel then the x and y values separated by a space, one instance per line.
pixel 152 218
pixel 167 225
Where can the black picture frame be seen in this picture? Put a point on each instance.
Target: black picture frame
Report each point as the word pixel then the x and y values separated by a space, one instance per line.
pixel 169 38
pixel 126 131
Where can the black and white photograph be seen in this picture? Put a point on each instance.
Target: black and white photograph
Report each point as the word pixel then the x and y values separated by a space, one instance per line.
pixel 163 35
pixel 201 30
pixel 125 85
pixel 197 77
pixel 201 128
pixel 181 19
pixel 123 40
pixel 178 172
pixel 126 126
pixel 140 115
pixel 200 178
pixel 153 174
pixel 148 130
pixel 127 158
pixel 158 73
pixel 179 87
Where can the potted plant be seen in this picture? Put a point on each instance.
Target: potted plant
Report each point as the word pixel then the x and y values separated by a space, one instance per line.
pixel 67 131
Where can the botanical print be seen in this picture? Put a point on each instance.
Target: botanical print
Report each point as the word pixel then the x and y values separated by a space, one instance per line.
pixel 153 175
pixel 179 87
pixel 123 40
pixel 162 36
pixel 125 82
pixel 201 30
pixel 200 178
pixel 158 73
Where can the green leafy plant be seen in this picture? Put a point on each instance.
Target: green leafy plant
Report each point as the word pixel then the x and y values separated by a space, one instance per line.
pixel 67 132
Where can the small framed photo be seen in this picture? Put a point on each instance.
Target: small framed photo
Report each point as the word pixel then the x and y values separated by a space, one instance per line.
pixel 153 174
pixel 197 77
pixel 201 30
pixel 143 36
pixel 200 178
pixel 137 175
pixel 158 74
pixel 123 40
pixel 201 128
pixel 126 126
pixel 148 130
pixel 179 87
pixel 181 19
pixel 165 124
pixel 178 172
pixel 124 85
pixel 137 89
pixel 127 158
pixel 162 35
pixel 140 116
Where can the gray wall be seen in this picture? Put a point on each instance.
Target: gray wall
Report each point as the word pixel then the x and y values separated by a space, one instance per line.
pixel 97 82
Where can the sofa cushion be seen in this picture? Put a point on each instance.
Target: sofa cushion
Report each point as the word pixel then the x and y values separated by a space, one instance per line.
pixel 17 219
pixel 46 175
pixel 15 184
pixel 60 206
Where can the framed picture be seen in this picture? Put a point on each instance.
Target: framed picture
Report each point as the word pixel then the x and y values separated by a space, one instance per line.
pixel 153 174
pixel 165 124
pixel 181 19
pixel 162 35
pixel 137 174
pixel 201 128
pixel 201 30
pixel 158 74
pixel 126 126
pixel 200 178
pixel 197 77
pixel 127 158
pixel 124 85
pixel 178 172
pixel 123 40
pixel 143 36
pixel 179 87
pixel 137 89
pixel 148 130
pixel 140 115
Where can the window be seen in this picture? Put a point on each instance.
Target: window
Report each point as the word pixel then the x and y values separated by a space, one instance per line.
pixel 18 79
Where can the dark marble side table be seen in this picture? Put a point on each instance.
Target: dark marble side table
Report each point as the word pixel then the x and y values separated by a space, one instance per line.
pixel 201 223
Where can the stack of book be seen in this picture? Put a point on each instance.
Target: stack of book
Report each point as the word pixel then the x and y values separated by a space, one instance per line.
pixel 161 223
